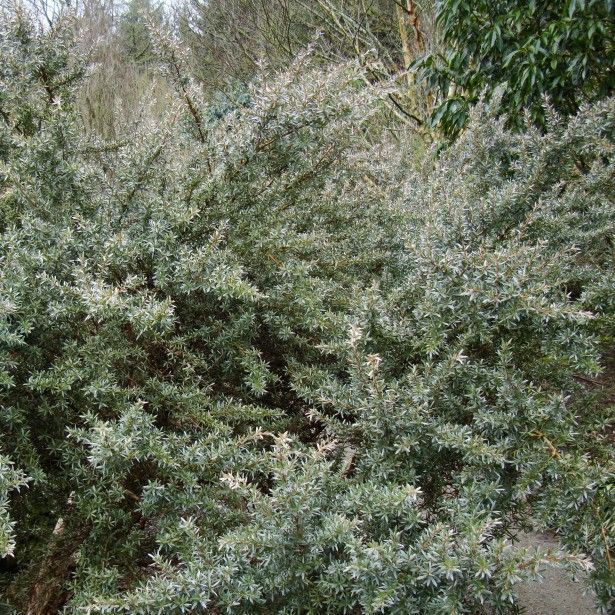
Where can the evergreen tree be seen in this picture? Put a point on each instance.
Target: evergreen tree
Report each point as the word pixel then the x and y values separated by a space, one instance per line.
pixel 558 50
pixel 134 30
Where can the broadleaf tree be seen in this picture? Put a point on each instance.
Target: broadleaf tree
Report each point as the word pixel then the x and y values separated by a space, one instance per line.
pixel 559 50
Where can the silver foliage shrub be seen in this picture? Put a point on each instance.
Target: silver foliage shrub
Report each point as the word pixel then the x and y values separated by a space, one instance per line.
pixel 258 362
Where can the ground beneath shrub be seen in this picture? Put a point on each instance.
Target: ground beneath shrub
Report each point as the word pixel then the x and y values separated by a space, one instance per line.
pixel 558 593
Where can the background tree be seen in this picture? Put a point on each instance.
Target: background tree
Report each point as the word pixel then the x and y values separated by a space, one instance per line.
pixel 135 30
pixel 230 37
pixel 560 50
pixel 123 82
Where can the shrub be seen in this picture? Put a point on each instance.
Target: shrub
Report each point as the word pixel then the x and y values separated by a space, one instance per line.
pixel 253 371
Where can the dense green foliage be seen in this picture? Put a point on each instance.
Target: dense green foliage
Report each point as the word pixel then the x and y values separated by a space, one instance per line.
pixel 562 50
pixel 262 357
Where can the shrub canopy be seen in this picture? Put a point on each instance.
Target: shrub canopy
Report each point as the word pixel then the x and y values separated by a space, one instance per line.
pixel 257 358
